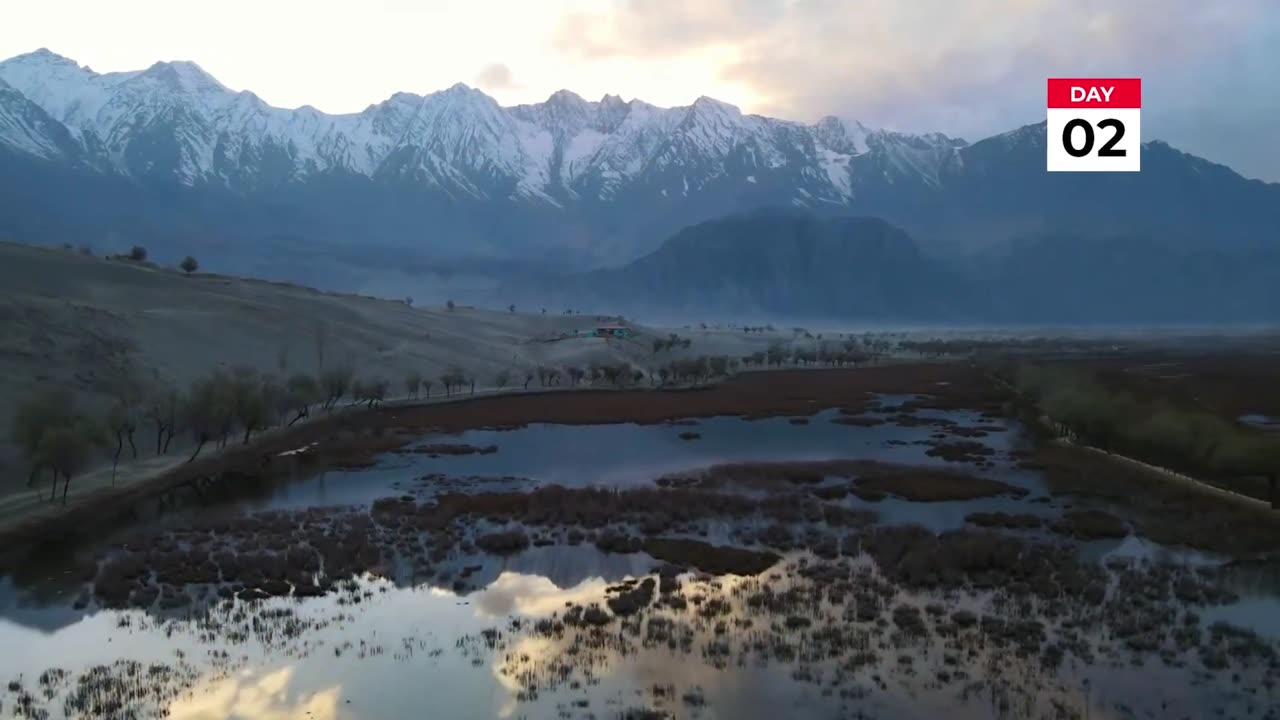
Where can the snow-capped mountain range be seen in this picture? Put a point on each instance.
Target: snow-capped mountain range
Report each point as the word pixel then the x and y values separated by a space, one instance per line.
pixel 175 120
pixel 170 157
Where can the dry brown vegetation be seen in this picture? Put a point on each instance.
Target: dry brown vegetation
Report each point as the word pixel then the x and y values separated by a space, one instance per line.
pixel 867 478
pixel 1167 512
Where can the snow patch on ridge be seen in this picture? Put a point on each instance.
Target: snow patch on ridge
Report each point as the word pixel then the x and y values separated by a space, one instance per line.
pixel 458 139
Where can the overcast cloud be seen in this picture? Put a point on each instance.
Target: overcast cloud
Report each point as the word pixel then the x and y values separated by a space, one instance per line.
pixel 1210 69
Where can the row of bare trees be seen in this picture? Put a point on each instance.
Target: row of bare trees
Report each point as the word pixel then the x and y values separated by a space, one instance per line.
pixel 699 369
pixel 59 439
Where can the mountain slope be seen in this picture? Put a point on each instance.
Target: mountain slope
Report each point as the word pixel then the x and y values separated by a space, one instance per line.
pixel 997 189
pixel 780 263
pixel 169 157
pixel 796 265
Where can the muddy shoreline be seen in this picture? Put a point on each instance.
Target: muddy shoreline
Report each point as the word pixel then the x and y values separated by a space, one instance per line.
pixel 351 437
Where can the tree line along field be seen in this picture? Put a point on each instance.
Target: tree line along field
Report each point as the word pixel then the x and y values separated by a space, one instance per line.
pixel 61 440
pixel 1175 413
pixel 1186 418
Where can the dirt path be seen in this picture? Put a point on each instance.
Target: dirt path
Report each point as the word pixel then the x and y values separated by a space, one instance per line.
pixel 1166 473
pixel 1184 480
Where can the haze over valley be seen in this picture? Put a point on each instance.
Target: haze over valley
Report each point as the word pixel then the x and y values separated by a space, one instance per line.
pixel 450 194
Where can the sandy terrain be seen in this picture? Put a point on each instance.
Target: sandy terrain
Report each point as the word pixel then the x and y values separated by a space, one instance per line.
pixel 83 322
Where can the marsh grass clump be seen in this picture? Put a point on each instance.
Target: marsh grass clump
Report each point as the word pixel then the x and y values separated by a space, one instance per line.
pixel 1011 521
pixel 1090 525
pixel 714 559
pixel 503 543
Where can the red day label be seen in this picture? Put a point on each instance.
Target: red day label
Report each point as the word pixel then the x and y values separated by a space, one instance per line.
pixel 1095 93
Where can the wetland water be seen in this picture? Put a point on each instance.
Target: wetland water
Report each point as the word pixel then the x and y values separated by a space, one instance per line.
pixel 476 589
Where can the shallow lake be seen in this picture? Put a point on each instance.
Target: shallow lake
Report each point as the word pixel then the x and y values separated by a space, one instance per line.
pixel 621 455
pixel 394 648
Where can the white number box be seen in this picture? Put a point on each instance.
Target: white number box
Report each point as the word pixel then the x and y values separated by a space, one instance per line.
pixel 1094 125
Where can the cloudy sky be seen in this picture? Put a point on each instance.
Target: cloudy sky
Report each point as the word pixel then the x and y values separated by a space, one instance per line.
pixel 969 68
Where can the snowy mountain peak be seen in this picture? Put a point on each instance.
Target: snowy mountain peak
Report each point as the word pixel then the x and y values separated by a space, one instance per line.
pixel 839 136
pixel 710 105
pixel 459 90
pixel 41 56
pixel 174 120
pixel 565 97
pixel 183 76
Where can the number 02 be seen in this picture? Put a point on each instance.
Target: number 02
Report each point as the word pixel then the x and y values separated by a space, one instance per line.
pixel 1108 148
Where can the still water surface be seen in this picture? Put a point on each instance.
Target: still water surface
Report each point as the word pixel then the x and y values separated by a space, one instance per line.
pixel 419 651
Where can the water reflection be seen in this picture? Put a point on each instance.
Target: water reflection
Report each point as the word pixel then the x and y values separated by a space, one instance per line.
pixel 427 651
pixel 627 454
pixel 397 648
pixel 253 695
pixel 1137 548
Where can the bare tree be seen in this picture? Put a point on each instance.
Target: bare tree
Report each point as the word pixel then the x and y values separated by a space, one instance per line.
pixel 448 304
pixel 67 450
pixel 373 391
pixel 36 416
pixel 453 378
pixel 162 412
pixel 719 365
pixel 335 383
pixel 503 379
pixel 426 388
pixel 528 378
pixel 301 392
pixel 205 410
pixel 249 404
pixel 413 383
pixel 119 421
